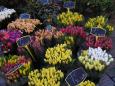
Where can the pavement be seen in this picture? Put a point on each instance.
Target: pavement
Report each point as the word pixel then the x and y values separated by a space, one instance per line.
pixel 112 22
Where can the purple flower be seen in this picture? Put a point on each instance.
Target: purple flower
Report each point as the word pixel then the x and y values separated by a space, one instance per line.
pixel 14 35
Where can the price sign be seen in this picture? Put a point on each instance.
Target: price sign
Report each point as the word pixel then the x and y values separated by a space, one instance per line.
pixel 16 67
pixel 24 16
pixel 98 32
pixel 76 77
pixel 23 41
pixel 44 2
pixel 69 4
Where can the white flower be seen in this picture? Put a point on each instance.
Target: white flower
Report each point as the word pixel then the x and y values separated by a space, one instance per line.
pixel 99 54
pixel 5 13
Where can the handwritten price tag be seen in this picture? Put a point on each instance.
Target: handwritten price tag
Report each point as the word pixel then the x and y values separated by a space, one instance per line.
pixel 23 41
pixel 98 32
pixel 24 16
pixel 76 77
pixel 69 4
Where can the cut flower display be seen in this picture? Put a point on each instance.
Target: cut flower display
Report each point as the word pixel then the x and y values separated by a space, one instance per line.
pixel 95 58
pixel 27 25
pixel 42 35
pixel 74 31
pixel 11 62
pixel 8 38
pixel 103 42
pixel 58 54
pixel 69 18
pixel 45 77
pixel 100 22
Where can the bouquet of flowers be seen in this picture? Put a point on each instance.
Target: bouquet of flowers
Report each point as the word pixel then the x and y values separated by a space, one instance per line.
pixel 103 42
pixel 8 38
pixel 11 69
pixel 100 22
pixel 46 37
pixel 26 25
pixel 95 59
pixel 78 35
pixel 74 31
pixel 69 18
pixel 6 13
pixel 45 77
pixel 58 54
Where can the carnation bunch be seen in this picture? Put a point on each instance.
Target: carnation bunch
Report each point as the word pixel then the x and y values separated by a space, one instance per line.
pixel 27 25
pixel 45 77
pixel 6 13
pixel 99 21
pixel 58 54
pixel 69 18
pixel 87 83
pixel 103 42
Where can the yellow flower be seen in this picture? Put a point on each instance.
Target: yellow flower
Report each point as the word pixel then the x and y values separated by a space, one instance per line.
pixel 87 83
pixel 45 77
pixel 89 63
pixel 69 18
pixel 58 54
pixel 99 21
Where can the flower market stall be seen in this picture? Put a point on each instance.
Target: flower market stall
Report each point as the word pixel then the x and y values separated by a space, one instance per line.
pixel 53 43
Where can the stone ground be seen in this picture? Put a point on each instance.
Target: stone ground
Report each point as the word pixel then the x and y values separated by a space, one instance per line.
pixel 108 78
pixel 112 21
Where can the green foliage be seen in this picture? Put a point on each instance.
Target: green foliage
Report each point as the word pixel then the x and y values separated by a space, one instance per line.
pixel 97 6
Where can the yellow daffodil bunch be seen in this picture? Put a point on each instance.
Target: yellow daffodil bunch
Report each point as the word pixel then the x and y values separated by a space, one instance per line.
pixel 99 21
pixel 69 18
pixel 87 83
pixel 89 63
pixel 45 77
pixel 58 54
